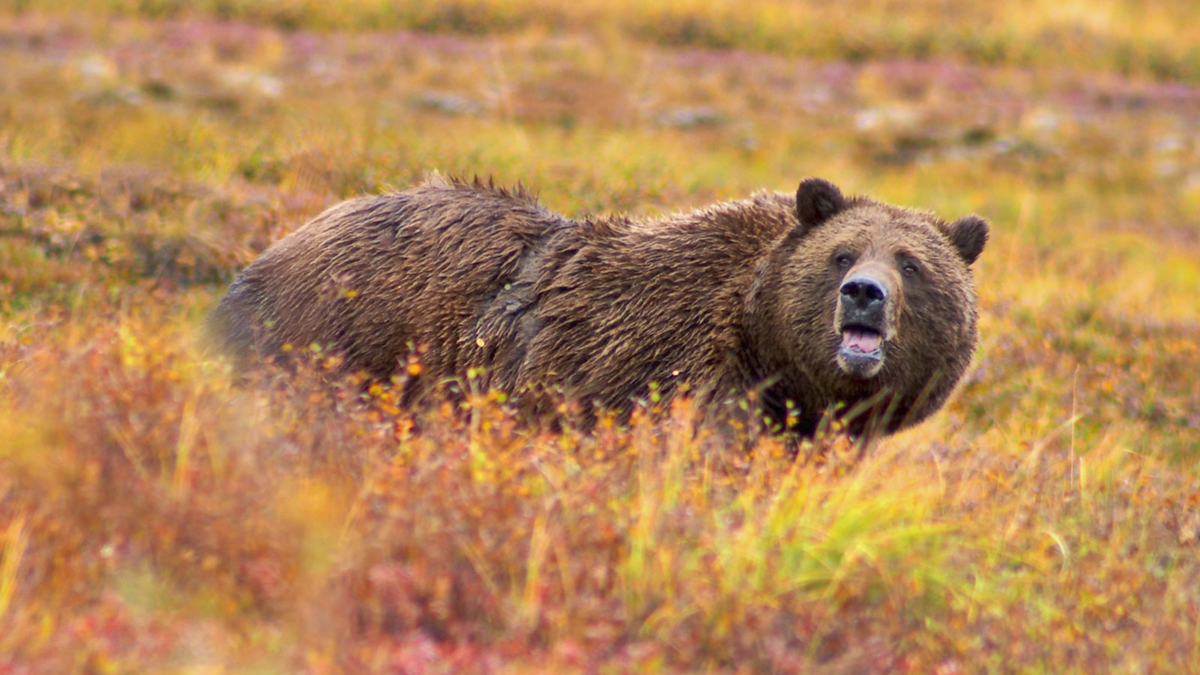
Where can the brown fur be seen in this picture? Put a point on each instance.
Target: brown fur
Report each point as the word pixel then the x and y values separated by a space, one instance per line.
pixel 735 297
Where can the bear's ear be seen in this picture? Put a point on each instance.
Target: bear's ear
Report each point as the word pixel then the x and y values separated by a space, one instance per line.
pixel 969 235
pixel 817 200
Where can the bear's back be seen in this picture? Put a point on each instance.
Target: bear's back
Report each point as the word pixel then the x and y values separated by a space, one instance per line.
pixel 375 277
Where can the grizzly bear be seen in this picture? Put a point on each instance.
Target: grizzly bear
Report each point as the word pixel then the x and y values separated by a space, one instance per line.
pixel 808 303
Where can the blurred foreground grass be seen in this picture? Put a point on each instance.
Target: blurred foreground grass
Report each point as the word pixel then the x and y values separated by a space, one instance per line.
pixel 156 514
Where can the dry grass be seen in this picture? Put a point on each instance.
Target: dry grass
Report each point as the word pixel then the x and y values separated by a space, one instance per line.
pixel 160 514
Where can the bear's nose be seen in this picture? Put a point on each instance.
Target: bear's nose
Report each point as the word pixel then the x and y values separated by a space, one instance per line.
pixel 864 293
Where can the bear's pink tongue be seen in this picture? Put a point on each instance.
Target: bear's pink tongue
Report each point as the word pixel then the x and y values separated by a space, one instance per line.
pixel 860 340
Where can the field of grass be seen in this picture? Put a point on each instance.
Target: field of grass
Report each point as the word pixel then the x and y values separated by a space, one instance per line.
pixel 161 513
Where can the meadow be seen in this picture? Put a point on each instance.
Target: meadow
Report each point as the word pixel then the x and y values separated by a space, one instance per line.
pixel 160 512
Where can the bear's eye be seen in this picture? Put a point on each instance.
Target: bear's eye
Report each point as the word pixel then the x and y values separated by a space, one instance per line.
pixel 910 269
pixel 844 261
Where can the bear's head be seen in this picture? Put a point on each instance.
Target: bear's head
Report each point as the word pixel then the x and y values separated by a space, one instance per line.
pixel 869 302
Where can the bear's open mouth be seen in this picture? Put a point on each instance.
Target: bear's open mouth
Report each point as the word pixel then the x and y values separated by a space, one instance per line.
pixel 861 339
pixel 861 352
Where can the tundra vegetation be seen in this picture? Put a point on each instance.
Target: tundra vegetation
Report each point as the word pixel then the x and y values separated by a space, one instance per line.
pixel 161 513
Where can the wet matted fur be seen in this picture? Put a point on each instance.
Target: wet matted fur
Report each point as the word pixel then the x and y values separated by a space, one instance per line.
pixel 736 297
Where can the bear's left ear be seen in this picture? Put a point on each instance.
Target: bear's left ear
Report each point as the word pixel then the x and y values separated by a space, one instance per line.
pixel 817 200
pixel 969 235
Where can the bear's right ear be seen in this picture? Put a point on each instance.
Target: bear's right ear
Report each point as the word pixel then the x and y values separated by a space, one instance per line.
pixel 968 235
pixel 817 200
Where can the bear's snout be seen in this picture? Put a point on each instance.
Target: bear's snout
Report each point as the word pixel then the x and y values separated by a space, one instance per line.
pixel 863 323
pixel 864 295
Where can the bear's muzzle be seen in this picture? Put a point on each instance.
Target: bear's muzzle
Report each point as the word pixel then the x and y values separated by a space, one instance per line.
pixel 863 322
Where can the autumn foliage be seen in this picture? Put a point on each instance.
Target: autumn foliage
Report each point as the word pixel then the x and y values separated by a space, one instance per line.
pixel 162 512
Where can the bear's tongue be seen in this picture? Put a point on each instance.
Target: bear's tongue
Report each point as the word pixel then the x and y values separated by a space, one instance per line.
pixel 858 339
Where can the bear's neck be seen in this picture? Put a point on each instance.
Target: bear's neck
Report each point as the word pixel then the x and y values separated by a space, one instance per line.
pixel 764 364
